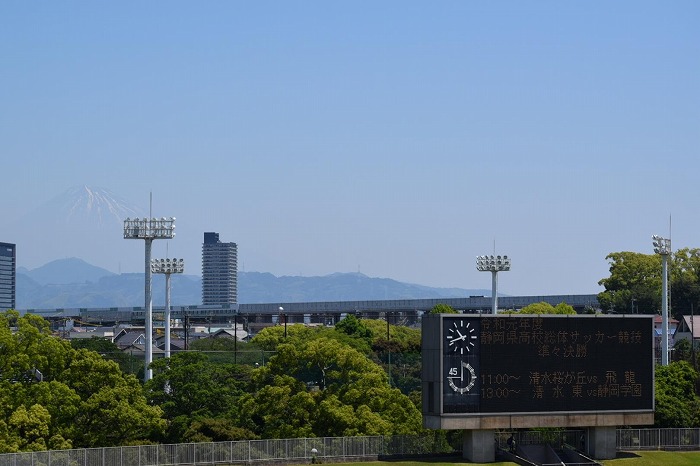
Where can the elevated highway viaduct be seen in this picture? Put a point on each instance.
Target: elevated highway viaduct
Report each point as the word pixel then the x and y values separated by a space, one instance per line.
pixel 256 316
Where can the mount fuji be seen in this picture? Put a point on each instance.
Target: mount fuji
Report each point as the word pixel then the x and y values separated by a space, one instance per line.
pixel 87 207
pixel 83 221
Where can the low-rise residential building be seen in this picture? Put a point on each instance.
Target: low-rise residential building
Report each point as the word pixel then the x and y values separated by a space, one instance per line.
pixel 688 329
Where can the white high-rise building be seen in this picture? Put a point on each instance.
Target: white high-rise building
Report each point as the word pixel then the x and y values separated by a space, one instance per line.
pixel 219 271
pixel 8 276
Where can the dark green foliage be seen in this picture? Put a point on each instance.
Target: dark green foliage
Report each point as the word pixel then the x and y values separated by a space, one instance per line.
pixel 189 387
pixel 216 430
pixel 635 282
pixel 270 338
pixel 406 372
pixel 315 381
pixel 684 269
pixel 682 351
pixel 182 385
pixel 396 338
pixel 322 387
pixel 633 276
pixel 677 403
pixel 443 309
pixel 546 308
pixel 79 400
pixel 354 327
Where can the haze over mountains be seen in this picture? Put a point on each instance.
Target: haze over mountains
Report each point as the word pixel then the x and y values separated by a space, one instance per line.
pixel 73 283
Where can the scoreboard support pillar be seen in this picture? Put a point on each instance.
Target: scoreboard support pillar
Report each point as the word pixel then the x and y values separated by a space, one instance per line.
pixel 601 442
pixel 479 446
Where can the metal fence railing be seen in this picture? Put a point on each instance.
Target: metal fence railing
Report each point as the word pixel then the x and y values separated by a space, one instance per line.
pixel 245 451
pixel 658 439
pixel 325 448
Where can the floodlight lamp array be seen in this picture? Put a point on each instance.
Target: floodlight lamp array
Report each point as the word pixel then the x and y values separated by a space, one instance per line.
pixel 149 228
pixel 662 245
pixel 167 266
pixel 492 263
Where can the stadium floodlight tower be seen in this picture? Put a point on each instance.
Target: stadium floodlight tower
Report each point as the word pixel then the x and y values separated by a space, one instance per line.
pixel 167 267
pixel 149 229
pixel 493 264
pixel 662 247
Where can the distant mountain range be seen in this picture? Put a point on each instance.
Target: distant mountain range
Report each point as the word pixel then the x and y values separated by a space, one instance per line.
pixel 73 283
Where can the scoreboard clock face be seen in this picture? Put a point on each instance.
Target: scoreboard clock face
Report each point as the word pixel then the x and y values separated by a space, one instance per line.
pixel 461 337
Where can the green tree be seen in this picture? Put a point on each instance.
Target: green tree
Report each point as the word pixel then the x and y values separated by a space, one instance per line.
pixel 563 308
pixel 117 415
pixel 355 328
pixel 443 309
pixel 325 363
pixel 399 337
pixel 188 383
pixel 683 351
pixel 634 284
pixel 546 308
pixel 30 349
pixel 61 402
pixel 685 281
pixel 327 388
pixel 53 396
pixel 113 410
pixel 189 387
pixel 282 408
pixel 87 373
pixel 397 349
pixel 677 403
pixel 268 338
pixel 216 430
pixel 30 428
pixel 354 333
pixel 537 308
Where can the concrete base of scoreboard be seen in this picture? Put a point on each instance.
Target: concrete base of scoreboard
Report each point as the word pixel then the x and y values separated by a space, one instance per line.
pixel 479 446
pixel 602 443
pixel 529 421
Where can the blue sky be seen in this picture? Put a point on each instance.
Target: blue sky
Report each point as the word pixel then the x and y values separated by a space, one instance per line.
pixel 401 139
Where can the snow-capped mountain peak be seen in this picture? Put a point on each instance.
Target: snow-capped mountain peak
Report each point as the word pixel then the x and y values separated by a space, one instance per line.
pixel 97 206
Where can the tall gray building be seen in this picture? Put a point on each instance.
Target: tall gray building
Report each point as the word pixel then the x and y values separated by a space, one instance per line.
pixel 8 276
pixel 219 271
